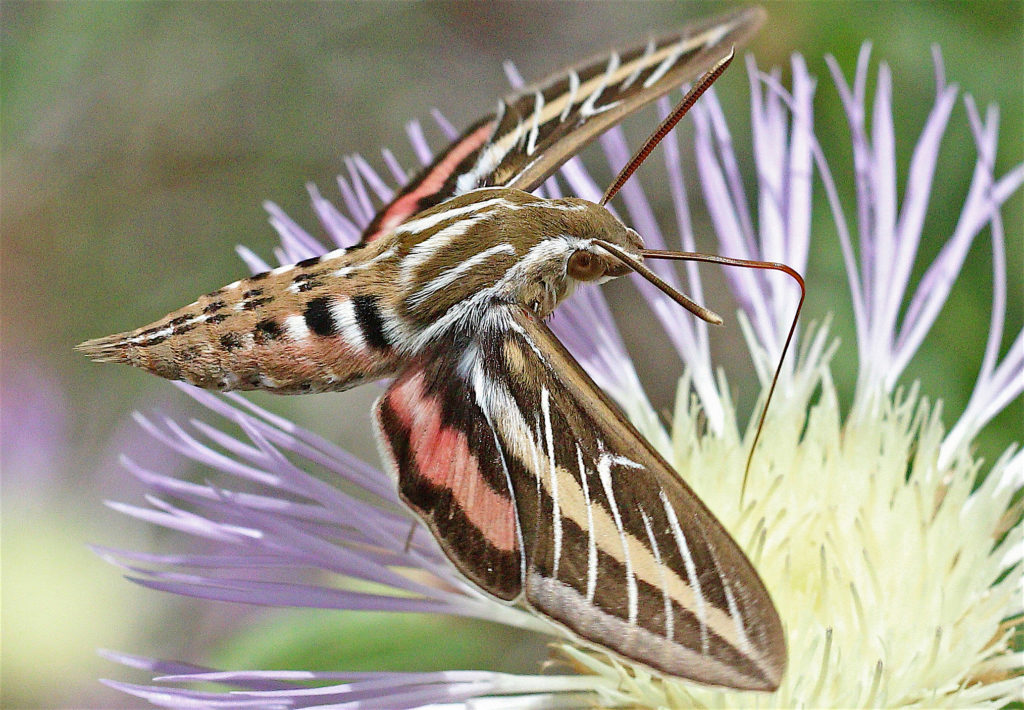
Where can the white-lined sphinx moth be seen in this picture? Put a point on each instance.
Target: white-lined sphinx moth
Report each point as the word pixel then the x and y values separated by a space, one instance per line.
pixel 533 483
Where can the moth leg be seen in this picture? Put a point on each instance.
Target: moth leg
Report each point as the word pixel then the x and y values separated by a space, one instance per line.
pixel 408 538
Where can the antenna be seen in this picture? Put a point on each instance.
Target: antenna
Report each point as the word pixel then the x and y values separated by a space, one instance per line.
pixel 702 85
pixel 747 264
pixel 712 317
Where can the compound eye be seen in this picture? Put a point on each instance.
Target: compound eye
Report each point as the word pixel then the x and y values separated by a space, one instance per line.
pixel 584 266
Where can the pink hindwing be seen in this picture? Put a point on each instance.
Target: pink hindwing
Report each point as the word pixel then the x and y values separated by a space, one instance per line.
pixel 449 471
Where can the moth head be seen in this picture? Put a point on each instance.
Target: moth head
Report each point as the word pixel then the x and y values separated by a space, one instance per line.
pixel 587 260
pixel 559 243
pixel 591 244
pixel 576 226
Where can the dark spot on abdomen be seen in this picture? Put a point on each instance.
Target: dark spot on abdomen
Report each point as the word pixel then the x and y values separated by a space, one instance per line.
pixel 318 317
pixel 230 341
pixel 370 321
pixel 150 341
pixel 256 303
pixel 267 329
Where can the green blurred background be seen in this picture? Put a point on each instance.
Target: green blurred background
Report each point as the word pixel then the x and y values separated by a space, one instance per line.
pixel 138 142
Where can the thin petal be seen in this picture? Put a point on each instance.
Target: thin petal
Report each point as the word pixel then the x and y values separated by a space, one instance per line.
pixel 364 208
pixel 446 127
pixel 414 131
pixel 295 241
pixel 254 263
pixel 340 228
pixel 915 201
pixel 372 179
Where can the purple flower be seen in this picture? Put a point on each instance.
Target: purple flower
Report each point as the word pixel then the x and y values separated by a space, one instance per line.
pixel 892 570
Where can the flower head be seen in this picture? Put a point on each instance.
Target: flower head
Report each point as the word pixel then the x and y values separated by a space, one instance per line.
pixel 894 570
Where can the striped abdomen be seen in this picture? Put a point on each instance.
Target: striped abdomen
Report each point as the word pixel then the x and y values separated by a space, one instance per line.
pixel 318 325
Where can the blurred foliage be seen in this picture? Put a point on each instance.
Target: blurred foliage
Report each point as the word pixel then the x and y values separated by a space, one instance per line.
pixel 372 641
pixel 139 139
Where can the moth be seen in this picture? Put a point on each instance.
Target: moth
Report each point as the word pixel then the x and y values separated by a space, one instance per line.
pixel 533 483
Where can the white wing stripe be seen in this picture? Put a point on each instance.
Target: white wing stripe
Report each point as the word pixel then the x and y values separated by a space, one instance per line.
pixel 545 405
pixel 691 570
pixel 574 86
pixel 591 540
pixel 531 143
pixel 662 68
pixel 648 51
pixel 670 618
pixel 481 387
pixel 734 611
pixel 535 450
pixel 604 466
pixel 588 108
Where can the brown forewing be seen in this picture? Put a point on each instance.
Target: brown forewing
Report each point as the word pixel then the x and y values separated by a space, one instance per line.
pixel 530 137
pixel 618 549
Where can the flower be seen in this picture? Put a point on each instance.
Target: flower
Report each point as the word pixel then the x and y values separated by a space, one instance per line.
pixel 897 572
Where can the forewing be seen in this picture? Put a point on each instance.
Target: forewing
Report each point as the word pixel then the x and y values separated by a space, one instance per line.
pixel 537 129
pixel 618 549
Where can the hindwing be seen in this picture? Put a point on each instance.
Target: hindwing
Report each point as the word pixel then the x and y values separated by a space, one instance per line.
pixel 616 548
pixel 450 471
pixel 535 130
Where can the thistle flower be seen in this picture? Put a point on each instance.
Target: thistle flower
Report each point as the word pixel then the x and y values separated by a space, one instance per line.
pixel 896 572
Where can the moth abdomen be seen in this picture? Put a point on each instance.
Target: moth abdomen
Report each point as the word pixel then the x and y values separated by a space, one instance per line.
pixel 312 327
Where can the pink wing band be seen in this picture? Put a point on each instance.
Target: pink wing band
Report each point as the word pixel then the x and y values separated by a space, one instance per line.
pixel 443 458
pixel 409 204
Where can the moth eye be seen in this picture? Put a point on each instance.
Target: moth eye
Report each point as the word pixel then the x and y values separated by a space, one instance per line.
pixel 584 266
